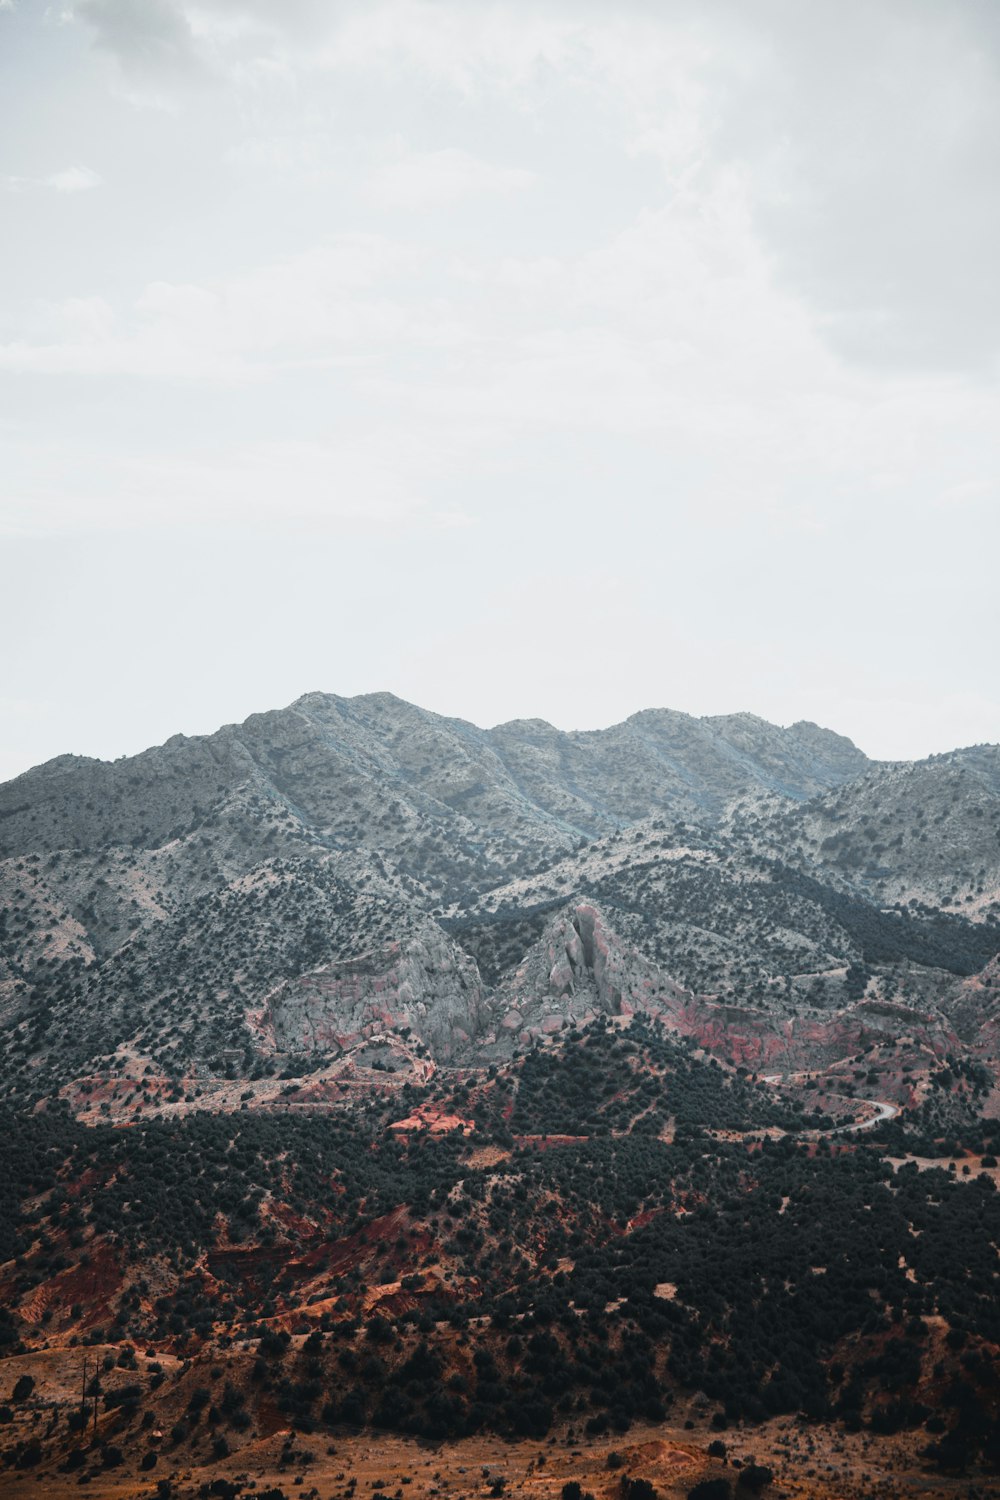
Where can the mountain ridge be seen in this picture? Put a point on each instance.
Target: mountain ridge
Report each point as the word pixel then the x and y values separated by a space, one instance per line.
pixel 156 903
pixel 561 780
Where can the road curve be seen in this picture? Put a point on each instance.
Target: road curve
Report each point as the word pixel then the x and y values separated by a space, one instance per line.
pixel 883 1110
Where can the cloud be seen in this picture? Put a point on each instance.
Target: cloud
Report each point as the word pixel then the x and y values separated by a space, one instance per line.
pixel 872 138
pixel 73 180
pixel 344 299
pixel 433 179
pixel 68 180
pixel 869 137
pixel 971 492
pixel 353 483
pixel 144 35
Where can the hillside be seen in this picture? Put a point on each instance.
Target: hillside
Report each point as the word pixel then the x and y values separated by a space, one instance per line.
pixel 609 1232
pixel 372 1071
pixel 926 834
pixel 380 772
pixel 269 899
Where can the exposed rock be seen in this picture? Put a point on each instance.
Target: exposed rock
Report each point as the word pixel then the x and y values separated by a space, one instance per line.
pixel 578 969
pixel 426 984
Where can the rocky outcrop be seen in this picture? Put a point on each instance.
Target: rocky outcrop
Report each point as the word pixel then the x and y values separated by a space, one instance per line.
pixel 425 984
pixel 582 967
pixel 578 969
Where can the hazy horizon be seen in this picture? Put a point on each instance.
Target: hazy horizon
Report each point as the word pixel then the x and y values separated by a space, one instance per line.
pixel 528 360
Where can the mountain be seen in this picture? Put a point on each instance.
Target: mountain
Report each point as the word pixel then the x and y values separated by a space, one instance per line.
pixel 375 1073
pixel 268 899
pixel 926 833
pixel 378 771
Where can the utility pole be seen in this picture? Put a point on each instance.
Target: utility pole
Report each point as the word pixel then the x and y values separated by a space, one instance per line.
pixel 83 1397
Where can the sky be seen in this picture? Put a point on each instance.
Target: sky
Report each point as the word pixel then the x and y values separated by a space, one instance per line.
pixel 540 358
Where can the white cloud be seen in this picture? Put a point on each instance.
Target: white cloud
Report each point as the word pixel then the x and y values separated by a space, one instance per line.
pixel 433 179
pixel 705 291
pixel 73 180
pixel 352 483
pixel 969 492
pixel 152 36
pixel 330 302
pixel 68 180
pixel 869 195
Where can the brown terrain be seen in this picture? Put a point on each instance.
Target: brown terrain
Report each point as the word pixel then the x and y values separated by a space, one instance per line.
pixel 808 1460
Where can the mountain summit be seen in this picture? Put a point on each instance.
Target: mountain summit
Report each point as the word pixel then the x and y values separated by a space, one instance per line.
pixel 342 765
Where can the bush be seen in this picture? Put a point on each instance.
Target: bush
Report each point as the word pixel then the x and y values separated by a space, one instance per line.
pixel 637 1489
pixel 29 1454
pixel 754 1477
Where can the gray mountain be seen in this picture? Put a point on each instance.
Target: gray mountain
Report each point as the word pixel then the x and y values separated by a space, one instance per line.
pixel 352 887
pixel 374 770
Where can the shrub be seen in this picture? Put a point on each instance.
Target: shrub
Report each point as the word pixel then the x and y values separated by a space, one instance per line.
pixel 755 1476
pixel 636 1489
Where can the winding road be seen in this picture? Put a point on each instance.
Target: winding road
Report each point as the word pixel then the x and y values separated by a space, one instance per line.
pixel 883 1110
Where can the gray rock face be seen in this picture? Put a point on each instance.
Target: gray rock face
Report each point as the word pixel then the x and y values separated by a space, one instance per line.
pixel 578 969
pixel 426 984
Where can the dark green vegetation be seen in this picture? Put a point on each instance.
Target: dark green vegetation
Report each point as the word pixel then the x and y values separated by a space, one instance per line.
pixel 499 940
pixel 590 1280
pixel 638 1082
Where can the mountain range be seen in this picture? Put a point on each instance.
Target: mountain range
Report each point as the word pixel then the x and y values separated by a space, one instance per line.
pixel 345 880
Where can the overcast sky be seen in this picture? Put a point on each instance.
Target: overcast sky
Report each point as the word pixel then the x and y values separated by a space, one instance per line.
pixel 524 359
